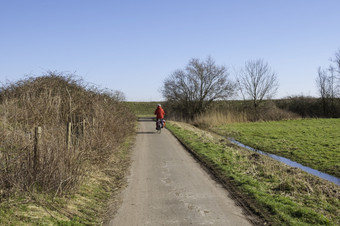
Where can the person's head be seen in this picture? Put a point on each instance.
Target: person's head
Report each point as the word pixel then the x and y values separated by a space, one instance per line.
pixel 159 105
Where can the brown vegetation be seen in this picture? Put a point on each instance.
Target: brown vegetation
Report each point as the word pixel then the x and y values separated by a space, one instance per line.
pixel 99 123
pixel 309 107
pixel 225 112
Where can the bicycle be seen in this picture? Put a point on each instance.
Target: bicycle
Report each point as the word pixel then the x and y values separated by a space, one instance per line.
pixel 159 125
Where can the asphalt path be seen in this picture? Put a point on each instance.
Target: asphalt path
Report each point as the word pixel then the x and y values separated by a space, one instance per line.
pixel 167 186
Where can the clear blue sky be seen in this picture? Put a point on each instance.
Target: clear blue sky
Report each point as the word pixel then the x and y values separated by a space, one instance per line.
pixel 132 46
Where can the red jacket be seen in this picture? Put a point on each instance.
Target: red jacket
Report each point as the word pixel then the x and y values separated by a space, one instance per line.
pixel 159 112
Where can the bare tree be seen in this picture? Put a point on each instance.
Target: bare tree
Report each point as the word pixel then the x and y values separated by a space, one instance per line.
pixel 192 90
pixel 322 82
pixel 328 89
pixel 256 81
pixel 328 83
pixel 116 95
pixel 336 71
pixel 119 96
pixel 337 62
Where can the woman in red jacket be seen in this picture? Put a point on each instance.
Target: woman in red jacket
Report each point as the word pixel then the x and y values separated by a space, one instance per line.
pixel 159 112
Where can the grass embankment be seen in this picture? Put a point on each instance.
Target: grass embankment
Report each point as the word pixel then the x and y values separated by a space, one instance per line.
pixel 143 109
pixel 311 142
pixel 66 173
pixel 284 195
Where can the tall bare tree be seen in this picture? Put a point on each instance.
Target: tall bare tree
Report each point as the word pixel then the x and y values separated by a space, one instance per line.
pixel 324 88
pixel 328 84
pixel 192 90
pixel 257 81
pixel 337 61
pixel 322 82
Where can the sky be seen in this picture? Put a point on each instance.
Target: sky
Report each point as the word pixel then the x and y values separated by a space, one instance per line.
pixel 133 46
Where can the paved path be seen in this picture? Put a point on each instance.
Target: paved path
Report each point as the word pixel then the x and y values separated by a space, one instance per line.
pixel 168 187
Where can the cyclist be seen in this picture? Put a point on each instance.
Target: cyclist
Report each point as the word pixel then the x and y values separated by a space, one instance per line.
pixel 159 112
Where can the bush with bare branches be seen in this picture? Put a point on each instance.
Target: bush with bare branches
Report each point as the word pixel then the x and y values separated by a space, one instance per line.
pixel 100 122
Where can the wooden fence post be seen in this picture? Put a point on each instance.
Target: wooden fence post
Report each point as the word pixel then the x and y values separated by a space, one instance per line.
pixel 68 135
pixel 83 127
pixel 36 157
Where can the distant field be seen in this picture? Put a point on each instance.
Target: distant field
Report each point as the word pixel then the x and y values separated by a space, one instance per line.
pixel 311 142
pixel 143 109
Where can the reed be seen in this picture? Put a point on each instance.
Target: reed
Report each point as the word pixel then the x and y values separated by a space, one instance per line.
pixel 230 114
pixel 215 118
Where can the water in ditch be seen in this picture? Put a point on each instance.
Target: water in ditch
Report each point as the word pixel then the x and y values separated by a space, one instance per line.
pixel 291 163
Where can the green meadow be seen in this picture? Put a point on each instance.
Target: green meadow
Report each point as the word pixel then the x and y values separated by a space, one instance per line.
pixel 312 142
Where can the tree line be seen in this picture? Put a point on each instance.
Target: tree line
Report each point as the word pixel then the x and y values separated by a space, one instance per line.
pixel 191 91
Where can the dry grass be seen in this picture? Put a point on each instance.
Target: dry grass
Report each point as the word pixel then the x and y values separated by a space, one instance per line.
pixel 100 123
pixel 268 112
pixel 96 198
pixel 215 118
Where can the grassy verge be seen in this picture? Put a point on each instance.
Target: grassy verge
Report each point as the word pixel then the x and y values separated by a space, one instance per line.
pixel 94 201
pixel 311 142
pixel 284 195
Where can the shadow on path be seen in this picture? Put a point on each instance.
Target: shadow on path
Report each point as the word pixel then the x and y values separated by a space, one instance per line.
pixel 145 132
pixel 146 119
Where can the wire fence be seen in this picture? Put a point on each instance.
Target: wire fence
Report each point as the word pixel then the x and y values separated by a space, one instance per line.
pixel 40 156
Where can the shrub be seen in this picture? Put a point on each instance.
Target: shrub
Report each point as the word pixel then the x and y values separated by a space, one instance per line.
pixel 100 122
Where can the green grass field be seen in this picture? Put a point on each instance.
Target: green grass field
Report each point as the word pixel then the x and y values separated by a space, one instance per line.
pixel 311 142
pixel 282 194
